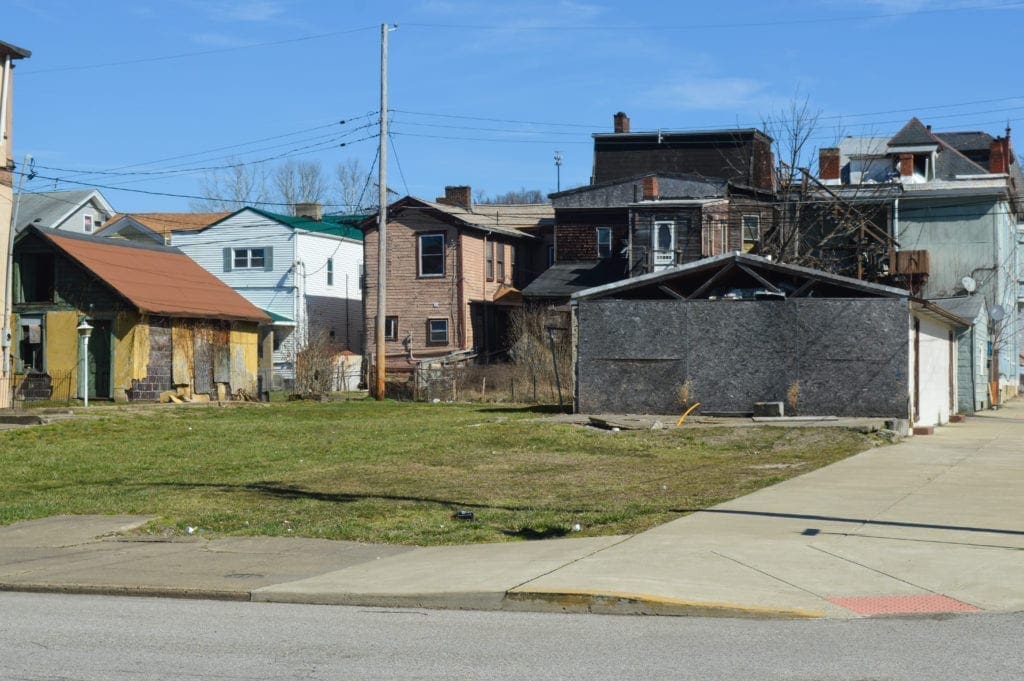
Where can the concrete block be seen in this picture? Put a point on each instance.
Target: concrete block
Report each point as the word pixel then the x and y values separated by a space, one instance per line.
pixel 957 418
pixel 764 409
pixel 899 426
pixel 924 430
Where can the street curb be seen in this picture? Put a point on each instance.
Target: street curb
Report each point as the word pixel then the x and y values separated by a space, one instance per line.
pixel 625 603
pixel 132 591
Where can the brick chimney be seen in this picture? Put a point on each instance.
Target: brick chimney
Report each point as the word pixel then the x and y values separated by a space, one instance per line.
pixel 906 165
pixel 621 122
pixel 311 209
pixel 650 188
pixel 828 163
pixel 999 155
pixel 457 195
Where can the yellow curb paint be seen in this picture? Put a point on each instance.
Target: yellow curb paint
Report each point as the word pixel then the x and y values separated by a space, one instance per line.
pixel 583 597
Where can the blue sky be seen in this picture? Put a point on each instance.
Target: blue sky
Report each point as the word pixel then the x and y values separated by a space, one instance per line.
pixel 484 92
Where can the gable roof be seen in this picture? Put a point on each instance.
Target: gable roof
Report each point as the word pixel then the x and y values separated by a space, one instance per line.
pixel 346 226
pixel 967 307
pixel 49 209
pixel 703 278
pixel 973 140
pixel 155 279
pixel 161 223
pixel 914 133
pixel 508 219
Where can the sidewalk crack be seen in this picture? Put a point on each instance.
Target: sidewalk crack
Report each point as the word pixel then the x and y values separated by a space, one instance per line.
pixel 574 560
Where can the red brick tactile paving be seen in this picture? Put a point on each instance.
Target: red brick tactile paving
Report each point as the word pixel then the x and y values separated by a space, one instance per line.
pixel 902 605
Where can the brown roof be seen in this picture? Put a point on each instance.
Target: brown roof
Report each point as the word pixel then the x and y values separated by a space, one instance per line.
pixel 165 223
pixel 156 280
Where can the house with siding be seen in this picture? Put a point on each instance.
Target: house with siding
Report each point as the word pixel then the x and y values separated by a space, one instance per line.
pixel 304 271
pixel 159 321
pixel 973 356
pixel 657 200
pixel 80 211
pixel 454 270
pixel 822 344
pixel 951 203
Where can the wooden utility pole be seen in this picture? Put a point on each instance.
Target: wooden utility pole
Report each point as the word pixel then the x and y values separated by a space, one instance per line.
pixel 380 366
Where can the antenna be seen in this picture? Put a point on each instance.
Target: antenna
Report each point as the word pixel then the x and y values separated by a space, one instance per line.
pixel 558 170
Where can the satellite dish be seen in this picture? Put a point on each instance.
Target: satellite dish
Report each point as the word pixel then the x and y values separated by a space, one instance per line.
pixel 969 284
pixel 996 313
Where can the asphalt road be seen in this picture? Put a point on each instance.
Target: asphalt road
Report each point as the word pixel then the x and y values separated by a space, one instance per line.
pixel 72 638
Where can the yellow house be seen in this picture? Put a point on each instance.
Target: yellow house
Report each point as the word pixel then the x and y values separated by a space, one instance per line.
pixel 158 321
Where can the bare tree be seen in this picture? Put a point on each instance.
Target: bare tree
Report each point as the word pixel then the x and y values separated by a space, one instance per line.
pixel 354 193
pixel 521 195
pixel 300 182
pixel 232 187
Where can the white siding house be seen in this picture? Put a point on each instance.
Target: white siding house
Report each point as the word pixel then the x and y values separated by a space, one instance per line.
pixel 82 211
pixel 304 273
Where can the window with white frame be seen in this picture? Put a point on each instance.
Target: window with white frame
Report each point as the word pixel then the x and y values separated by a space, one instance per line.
pixel 249 258
pixel 391 328
pixel 87 222
pixel 751 230
pixel 431 255
pixel 604 242
pixel 437 331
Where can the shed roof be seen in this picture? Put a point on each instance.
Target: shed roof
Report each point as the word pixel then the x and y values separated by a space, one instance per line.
pixel 563 279
pixel 967 307
pixel 155 279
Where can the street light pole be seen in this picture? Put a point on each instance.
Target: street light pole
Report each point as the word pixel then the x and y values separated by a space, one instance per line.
pixel 84 330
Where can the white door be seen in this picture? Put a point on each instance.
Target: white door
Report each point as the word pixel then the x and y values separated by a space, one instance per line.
pixel 664 244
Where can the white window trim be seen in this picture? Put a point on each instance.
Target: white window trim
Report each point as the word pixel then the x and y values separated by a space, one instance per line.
pixel 88 223
pixel 248 258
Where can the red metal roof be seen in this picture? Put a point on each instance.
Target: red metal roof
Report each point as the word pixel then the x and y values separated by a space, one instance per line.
pixel 157 280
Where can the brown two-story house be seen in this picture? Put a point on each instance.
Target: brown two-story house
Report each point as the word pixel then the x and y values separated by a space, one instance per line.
pixel 453 273
pixel 657 200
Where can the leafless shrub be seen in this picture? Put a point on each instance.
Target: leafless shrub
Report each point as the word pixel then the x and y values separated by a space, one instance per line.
pixel 314 367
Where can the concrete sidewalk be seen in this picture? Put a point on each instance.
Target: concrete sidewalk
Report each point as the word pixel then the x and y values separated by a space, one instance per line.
pixel 931 525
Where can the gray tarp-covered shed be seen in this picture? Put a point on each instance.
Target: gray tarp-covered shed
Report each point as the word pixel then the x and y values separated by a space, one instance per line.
pixel 736 329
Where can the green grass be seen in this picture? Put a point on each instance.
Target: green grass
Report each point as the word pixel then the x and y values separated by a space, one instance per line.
pixel 390 472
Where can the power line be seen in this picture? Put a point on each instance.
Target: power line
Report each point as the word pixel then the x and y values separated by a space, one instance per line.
pixel 198 53
pixel 617 27
pixel 398 163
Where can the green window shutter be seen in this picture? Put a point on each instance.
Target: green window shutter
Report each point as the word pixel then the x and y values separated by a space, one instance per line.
pixel 268 259
pixel 228 255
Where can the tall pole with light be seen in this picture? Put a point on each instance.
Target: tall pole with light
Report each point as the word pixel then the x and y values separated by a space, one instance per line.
pixel 558 171
pixel 84 331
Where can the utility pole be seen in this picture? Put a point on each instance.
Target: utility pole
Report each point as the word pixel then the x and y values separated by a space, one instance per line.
pixel 558 170
pixel 382 219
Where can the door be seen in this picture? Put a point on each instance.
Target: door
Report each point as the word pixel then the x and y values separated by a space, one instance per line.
pixel 664 244
pixel 99 359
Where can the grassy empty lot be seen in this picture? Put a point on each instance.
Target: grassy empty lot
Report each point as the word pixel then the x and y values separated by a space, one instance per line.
pixel 391 472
